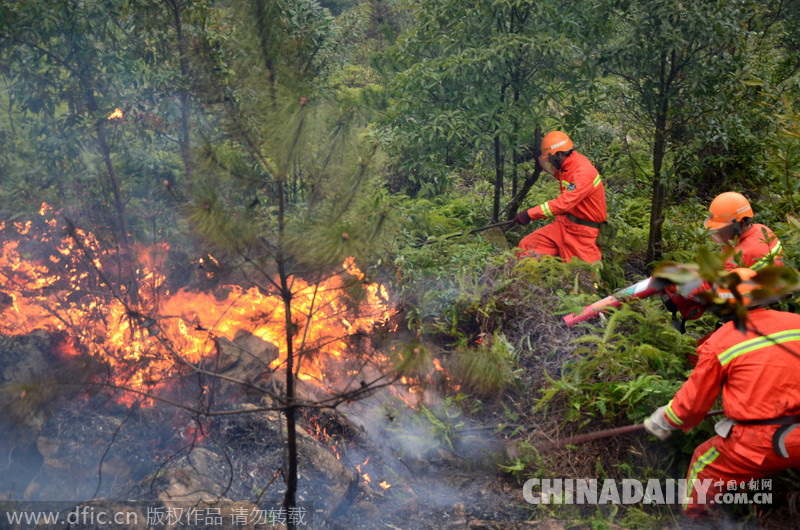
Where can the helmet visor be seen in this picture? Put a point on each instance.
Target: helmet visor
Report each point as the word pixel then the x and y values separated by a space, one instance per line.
pixel 546 165
pixel 721 233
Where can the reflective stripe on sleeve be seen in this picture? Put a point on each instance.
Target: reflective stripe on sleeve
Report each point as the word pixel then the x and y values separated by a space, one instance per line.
pixel 597 180
pixel 546 209
pixel 671 414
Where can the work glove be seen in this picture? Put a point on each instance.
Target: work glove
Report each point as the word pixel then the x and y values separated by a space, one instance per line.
pixel 657 424
pixel 523 218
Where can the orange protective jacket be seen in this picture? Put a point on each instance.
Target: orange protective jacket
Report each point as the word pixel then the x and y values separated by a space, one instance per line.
pixel 758 372
pixel 582 193
pixel 756 248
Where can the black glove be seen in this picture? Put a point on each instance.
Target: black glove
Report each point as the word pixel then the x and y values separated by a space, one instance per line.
pixel 522 218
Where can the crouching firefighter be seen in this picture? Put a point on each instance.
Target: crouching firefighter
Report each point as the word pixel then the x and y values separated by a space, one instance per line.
pixel 758 371
pixel 578 213
pixel 731 226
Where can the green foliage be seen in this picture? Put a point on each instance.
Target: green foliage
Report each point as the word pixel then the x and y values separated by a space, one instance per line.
pixel 631 213
pixel 784 161
pixel 636 517
pixel 438 301
pixel 438 270
pixel 790 238
pixel 684 232
pixel 488 369
pixel 701 126
pixel 526 457
pixel 292 118
pixel 443 428
pixel 413 359
pixel 627 370
pixel 465 75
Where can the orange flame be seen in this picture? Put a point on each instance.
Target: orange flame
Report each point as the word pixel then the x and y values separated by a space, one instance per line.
pixel 438 364
pixel 60 292
pixel 116 115
pixel 365 476
pixel 385 485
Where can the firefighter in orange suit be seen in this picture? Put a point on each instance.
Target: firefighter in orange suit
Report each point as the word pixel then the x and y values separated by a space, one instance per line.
pixel 577 211
pixel 759 374
pixel 730 220
pixel 751 245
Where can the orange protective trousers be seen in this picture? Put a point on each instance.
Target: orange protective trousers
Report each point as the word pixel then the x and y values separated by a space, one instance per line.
pixel 759 375
pixel 724 462
pixel 564 239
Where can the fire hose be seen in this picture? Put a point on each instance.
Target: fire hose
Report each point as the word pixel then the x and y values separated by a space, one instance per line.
pixel 616 431
pixel 642 289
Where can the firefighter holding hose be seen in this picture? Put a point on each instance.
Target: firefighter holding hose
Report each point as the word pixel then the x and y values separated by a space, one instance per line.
pixel 758 372
pixel 753 245
pixel 731 227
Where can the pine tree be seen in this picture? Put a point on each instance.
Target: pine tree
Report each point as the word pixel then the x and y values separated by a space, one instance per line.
pixel 288 186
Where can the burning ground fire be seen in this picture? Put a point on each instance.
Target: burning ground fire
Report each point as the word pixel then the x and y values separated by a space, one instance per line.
pixel 54 278
pixel 61 279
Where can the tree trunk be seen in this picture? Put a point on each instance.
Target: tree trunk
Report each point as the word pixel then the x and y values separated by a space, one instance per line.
pixel 498 177
pixel 290 496
pixel 514 174
pixel 290 410
pixel 183 96
pixel 126 265
pixel 527 184
pixel 515 157
pixel 654 240
pixel 530 180
pixel 263 31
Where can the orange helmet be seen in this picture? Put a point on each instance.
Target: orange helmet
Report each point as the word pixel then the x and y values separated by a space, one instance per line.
pixel 727 208
pixel 555 141
pixel 745 287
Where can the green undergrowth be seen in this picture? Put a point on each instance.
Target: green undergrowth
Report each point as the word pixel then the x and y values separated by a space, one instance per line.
pixel 496 324
pixel 506 359
pixel 624 368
